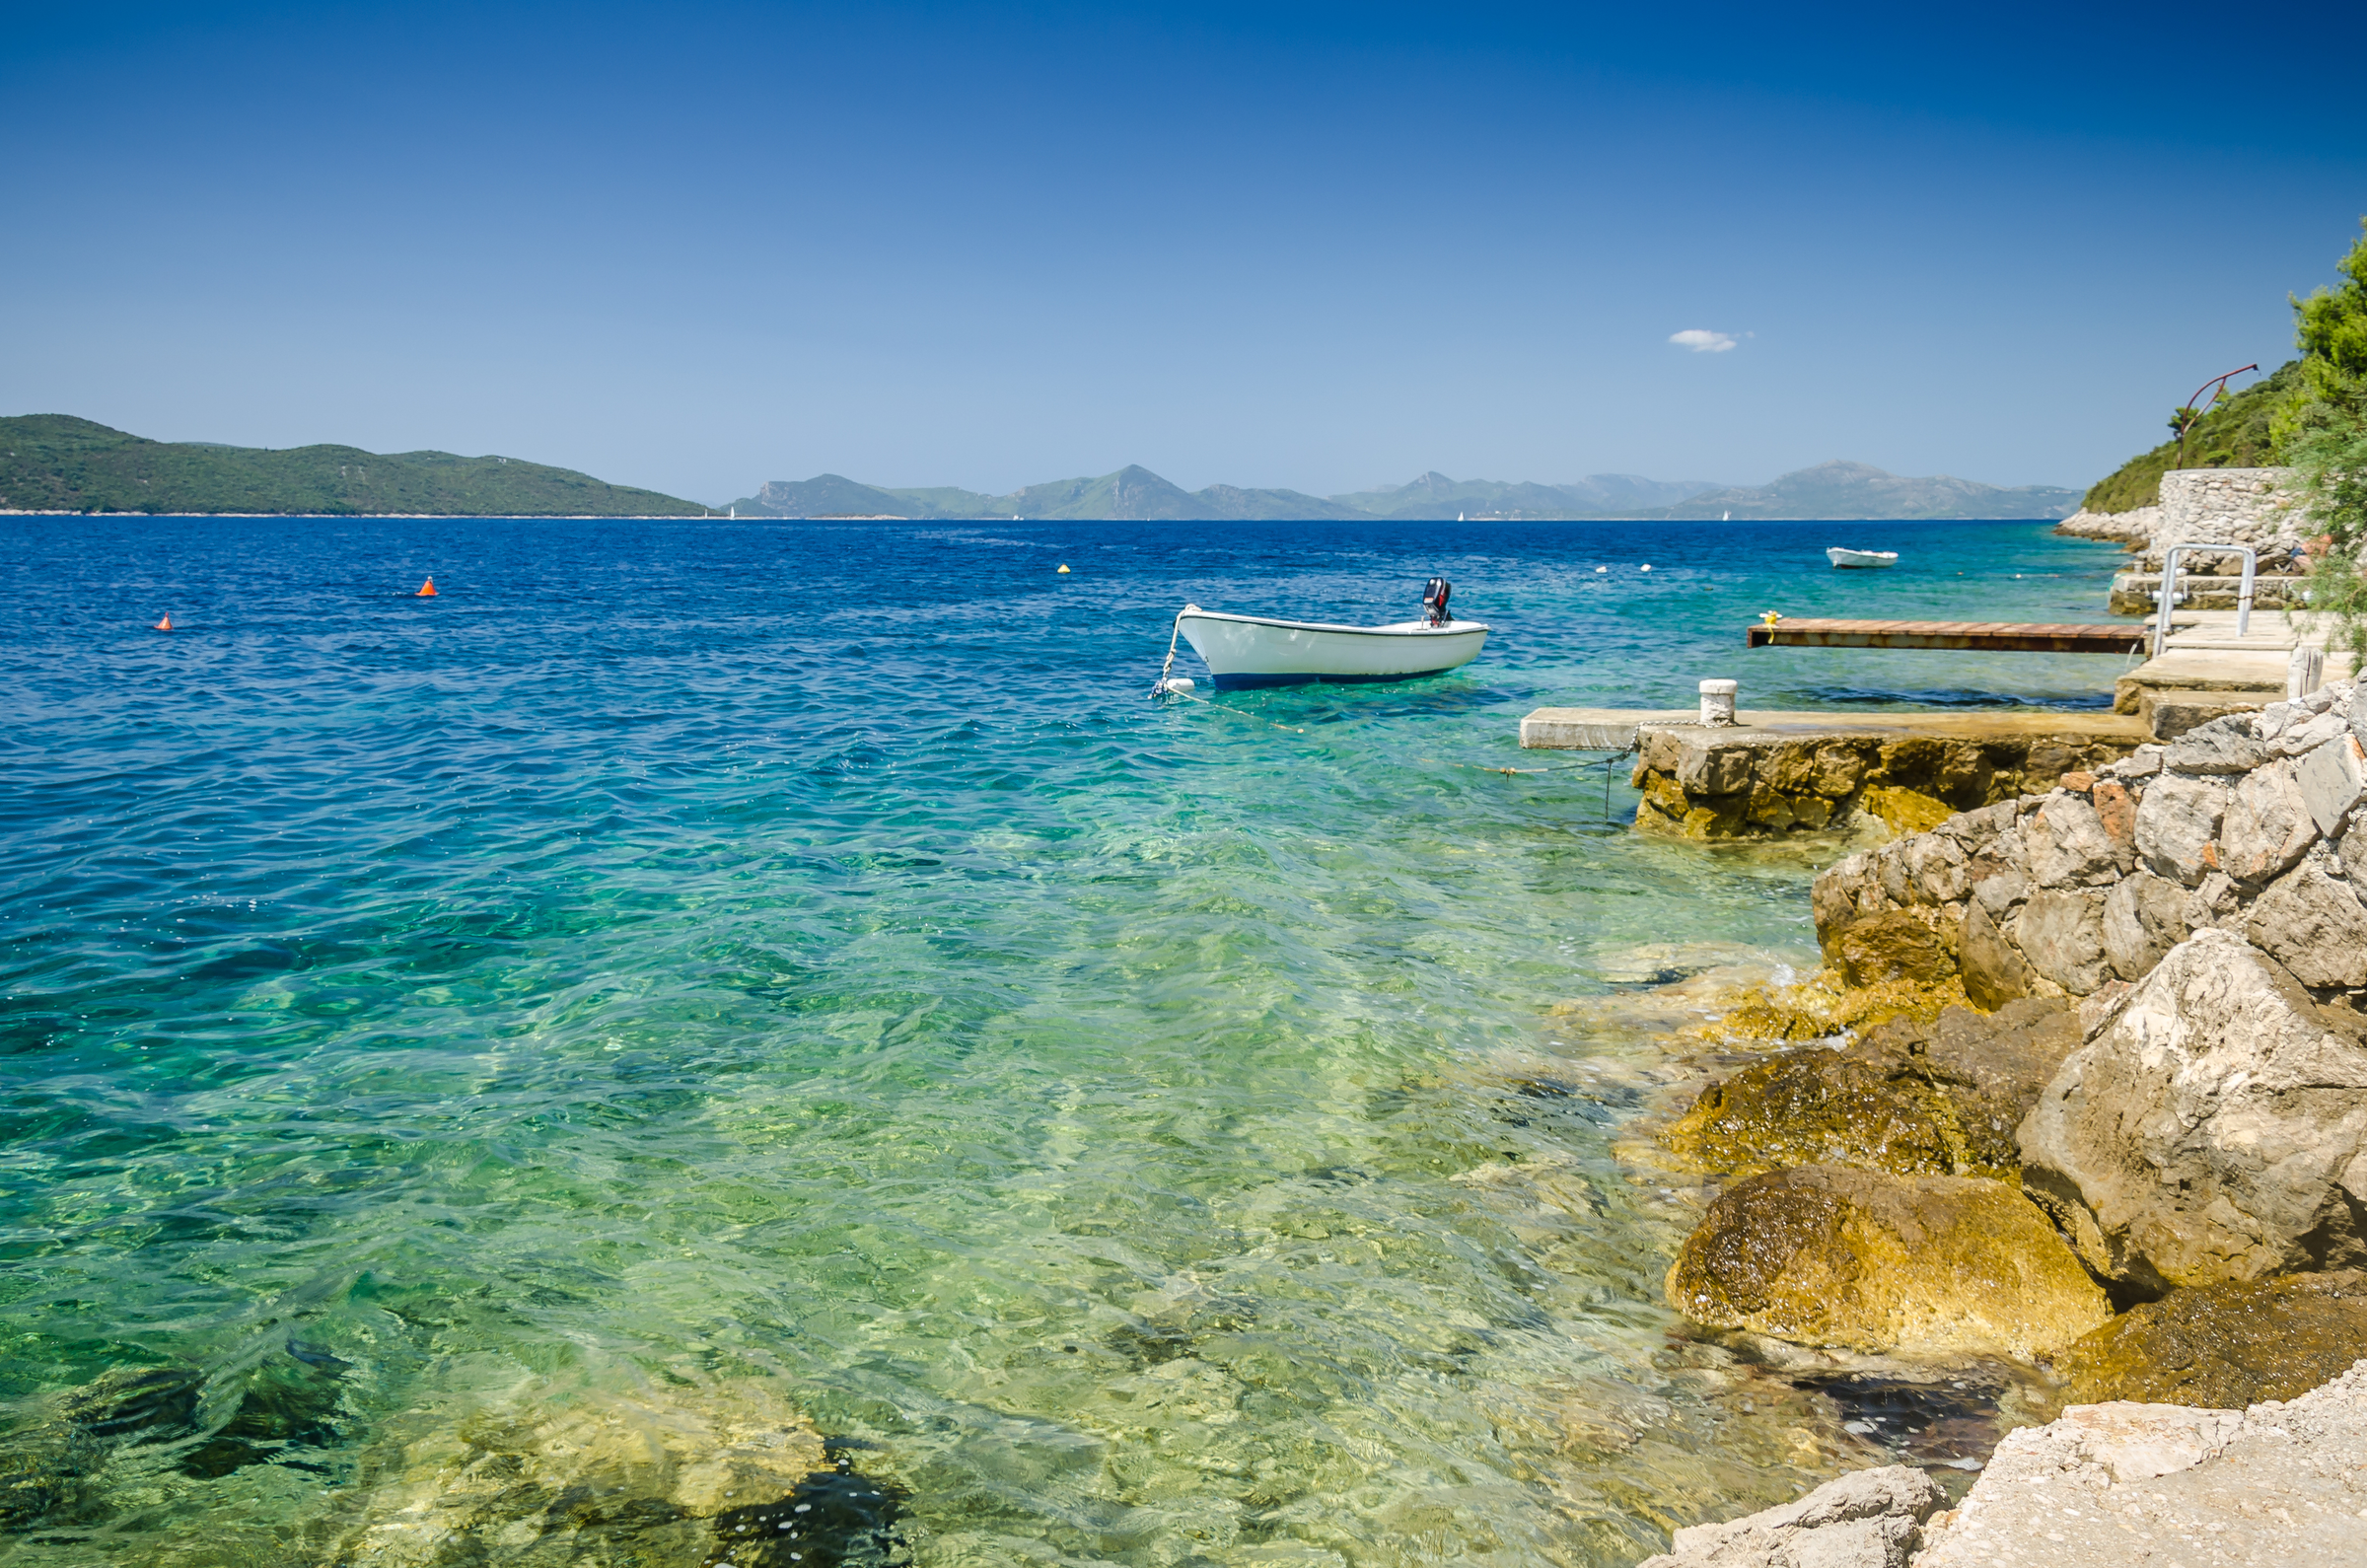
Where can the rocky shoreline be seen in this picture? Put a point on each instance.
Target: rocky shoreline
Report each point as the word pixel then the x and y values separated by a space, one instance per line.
pixel 2135 1157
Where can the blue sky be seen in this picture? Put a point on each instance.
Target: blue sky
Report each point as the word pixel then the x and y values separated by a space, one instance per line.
pixel 696 247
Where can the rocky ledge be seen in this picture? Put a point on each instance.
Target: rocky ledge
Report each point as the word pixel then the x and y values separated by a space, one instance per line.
pixel 2135 527
pixel 1749 781
pixel 2132 1157
pixel 2106 1486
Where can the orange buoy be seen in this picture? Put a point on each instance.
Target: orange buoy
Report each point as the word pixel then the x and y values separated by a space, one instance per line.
pixel 166 625
pixel 427 590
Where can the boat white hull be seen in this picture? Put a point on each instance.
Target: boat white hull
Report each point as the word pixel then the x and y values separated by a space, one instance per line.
pixel 1861 558
pixel 1243 651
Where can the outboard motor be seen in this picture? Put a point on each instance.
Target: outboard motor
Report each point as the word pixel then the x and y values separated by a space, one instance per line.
pixel 1434 600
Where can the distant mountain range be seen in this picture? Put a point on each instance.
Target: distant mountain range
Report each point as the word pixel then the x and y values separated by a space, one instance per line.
pixel 1837 490
pixel 57 463
pixel 1843 490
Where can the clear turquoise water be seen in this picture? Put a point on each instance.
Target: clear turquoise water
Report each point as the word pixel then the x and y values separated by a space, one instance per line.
pixel 801 949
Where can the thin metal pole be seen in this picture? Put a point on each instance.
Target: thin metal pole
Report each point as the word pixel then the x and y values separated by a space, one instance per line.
pixel 2194 414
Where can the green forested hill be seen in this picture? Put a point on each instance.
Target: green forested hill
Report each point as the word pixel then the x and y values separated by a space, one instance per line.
pixel 52 462
pixel 2234 434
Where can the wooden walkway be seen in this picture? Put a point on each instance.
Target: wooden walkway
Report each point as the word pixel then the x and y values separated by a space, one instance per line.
pixel 1992 636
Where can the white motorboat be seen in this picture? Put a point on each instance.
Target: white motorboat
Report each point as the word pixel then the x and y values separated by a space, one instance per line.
pixel 1842 557
pixel 1246 651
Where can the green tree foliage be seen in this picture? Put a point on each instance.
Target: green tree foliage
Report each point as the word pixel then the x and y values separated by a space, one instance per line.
pixel 2325 441
pixel 2237 430
pixel 2329 459
pixel 2331 327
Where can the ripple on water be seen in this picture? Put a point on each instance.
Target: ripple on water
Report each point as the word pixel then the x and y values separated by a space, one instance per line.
pixel 1162 1134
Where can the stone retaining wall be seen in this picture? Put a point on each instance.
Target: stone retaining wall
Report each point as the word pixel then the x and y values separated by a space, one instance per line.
pixel 2230 506
pixel 2219 506
pixel 2139 593
pixel 1711 784
pixel 2241 823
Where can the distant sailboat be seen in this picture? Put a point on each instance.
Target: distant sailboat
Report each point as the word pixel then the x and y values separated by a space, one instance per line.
pixel 1459 516
pixel 1726 517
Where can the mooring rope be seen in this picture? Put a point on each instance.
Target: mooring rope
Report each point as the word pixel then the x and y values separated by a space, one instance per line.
pixel 1160 687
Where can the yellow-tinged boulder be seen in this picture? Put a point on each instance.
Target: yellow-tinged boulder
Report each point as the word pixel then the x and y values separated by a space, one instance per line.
pixel 1903 811
pixel 1816 1107
pixel 658 1472
pixel 1873 1261
pixel 2225 1346
pixel 1895 945
pixel 1822 1007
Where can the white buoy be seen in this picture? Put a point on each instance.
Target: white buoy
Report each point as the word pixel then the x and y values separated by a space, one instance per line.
pixel 1717 702
pixel 1179 683
pixel 1647 566
pixel 1599 570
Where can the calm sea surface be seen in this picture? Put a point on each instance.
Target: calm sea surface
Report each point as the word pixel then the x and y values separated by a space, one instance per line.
pixel 799 952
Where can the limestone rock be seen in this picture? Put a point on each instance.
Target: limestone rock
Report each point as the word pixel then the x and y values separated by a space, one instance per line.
pixel 2214 1132
pixel 1993 968
pixel 1819 1008
pixel 2315 927
pixel 608 1477
pixel 2216 902
pixel 2001 889
pixel 54 1452
pixel 2332 779
pixel 2121 1484
pixel 2117 810
pixel 1988 1071
pixel 1893 946
pixel 2267 828
pixel 2235 1343
pixel 2069 845
pixel 1706 768
pixel 1868 1519
pixel 1903 810
pixel 2305 732
pixel 2142 764
pixel 1870 1262
pixel 2145 918
pixel 2061 934
pixel 1810 1108
pixel 2225 744
pixel 2176 821
pixel 1915 1096
pixel 1934 865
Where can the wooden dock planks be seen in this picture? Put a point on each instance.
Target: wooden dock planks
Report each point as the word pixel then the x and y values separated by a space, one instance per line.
pixel 1990 636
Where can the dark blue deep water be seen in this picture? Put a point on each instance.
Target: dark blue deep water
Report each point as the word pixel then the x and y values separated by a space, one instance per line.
pixel 795 956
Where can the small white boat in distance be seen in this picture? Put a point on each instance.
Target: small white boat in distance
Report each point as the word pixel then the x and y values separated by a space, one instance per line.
pixel 1842 557
pixel 1247 651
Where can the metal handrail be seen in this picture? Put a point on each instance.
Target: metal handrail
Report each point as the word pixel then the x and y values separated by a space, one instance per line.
pixel 2169 589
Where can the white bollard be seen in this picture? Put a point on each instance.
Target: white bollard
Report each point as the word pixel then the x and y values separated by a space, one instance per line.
pixel 2305 673
pixel 1717 702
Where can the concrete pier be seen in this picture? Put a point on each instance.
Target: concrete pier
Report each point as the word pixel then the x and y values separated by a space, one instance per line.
pixel 1988 636
pixel 1774 773
pixel 2208 669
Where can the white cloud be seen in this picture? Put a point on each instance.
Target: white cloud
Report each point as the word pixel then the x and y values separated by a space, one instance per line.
pixel 1702 342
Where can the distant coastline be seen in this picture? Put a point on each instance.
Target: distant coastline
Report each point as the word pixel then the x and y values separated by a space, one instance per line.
pixel 59 465
pixel 1839 491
